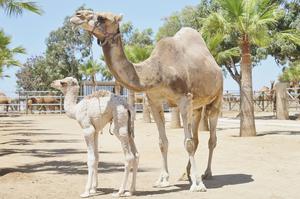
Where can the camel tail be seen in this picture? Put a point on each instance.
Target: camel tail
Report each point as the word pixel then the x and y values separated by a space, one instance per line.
pixel 130 124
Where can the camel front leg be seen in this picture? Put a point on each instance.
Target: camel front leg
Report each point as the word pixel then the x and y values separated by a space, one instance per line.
pixel 186 110
pixel 158 115
pixel 89 135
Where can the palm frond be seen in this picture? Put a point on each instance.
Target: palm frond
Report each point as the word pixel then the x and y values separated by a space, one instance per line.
pixel 19 50
pixel 290 35
pixel 16 8
pixel 214 23
pixel 224 56
pixel 234 8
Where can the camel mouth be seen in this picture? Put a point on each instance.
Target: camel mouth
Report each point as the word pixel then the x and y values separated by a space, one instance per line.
pixel 75 20
pixel 54 84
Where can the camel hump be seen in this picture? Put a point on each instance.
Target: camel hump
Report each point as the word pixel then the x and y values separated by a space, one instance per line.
pixel 189 36
pixel 99 93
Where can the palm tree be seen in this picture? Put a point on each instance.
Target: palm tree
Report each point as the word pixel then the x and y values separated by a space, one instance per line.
pixel 6 54
pixel 89 70
pixel 248 24
pixel 12 7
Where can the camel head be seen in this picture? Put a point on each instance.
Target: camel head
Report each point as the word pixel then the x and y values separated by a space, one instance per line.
pixel 100 24
pixel 66 84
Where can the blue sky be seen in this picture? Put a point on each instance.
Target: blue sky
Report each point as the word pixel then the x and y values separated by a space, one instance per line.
pixel 31 30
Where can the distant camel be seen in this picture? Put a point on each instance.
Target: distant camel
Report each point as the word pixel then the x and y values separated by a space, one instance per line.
pixel 5 101
pixel 41 101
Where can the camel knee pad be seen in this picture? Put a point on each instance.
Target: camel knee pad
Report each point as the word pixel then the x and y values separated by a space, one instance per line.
pixel 189 145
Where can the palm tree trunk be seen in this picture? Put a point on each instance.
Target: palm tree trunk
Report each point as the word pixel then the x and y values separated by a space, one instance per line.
pixel 175 118
pixel 247 124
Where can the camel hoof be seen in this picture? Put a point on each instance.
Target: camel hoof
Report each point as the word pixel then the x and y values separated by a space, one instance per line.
pixel 85 195
pixel 198 188
pixel 184 177
pixel 93 191
pixel 160 184
pixel 122 194
pixel 207 175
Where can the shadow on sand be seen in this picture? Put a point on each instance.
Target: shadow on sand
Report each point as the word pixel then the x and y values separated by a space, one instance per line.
pixel 218 181
pixel 67 167
pixel 279 133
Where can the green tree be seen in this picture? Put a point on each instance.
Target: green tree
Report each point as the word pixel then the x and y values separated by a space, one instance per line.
pixel 35 74
pixel 285 47
pixel 7 54
pixel 190 16
pixel 291 74
pixel 16 8
pixel 67 49
pixel 89 70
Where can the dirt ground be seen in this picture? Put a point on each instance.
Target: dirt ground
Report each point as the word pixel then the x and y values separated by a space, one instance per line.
pixel 43 156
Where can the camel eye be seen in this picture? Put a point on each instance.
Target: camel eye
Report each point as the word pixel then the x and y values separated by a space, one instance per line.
pixel 100 19
pixel 63 84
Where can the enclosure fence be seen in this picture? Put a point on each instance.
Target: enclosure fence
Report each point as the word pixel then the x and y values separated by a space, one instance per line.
pixel 30 102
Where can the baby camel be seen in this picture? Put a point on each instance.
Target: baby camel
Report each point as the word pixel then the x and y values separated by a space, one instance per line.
pixel 93 113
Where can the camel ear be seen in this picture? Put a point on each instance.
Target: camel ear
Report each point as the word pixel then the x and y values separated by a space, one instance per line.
pixel 118 18
pixel 74 84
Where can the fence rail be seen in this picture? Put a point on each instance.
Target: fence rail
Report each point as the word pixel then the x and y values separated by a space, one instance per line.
pixel 23 103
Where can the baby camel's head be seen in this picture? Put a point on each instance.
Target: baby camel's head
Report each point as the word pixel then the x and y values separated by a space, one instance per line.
pixel 66 84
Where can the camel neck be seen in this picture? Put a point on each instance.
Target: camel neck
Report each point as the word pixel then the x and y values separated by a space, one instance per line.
pixel 123 70
pixel 70 102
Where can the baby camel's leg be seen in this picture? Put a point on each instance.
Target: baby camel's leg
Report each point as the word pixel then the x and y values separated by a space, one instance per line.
pixel 95 172
pixel 135 163
pixel 121 131
pixel 89 133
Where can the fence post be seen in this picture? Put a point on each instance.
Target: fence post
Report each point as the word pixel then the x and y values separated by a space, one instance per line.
pixel 263 101
pixel 60 104
pixel 281 101
pixel 26 103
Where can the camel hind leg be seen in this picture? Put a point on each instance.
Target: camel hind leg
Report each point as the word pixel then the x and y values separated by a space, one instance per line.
pixel 195 128
pixel 213 111
pixel 121 131
pixel 186 110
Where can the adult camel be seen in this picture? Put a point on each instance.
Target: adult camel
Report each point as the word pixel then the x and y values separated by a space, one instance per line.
pixel 180 71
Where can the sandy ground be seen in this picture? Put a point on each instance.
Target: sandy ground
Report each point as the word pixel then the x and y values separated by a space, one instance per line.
pixel 43 156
